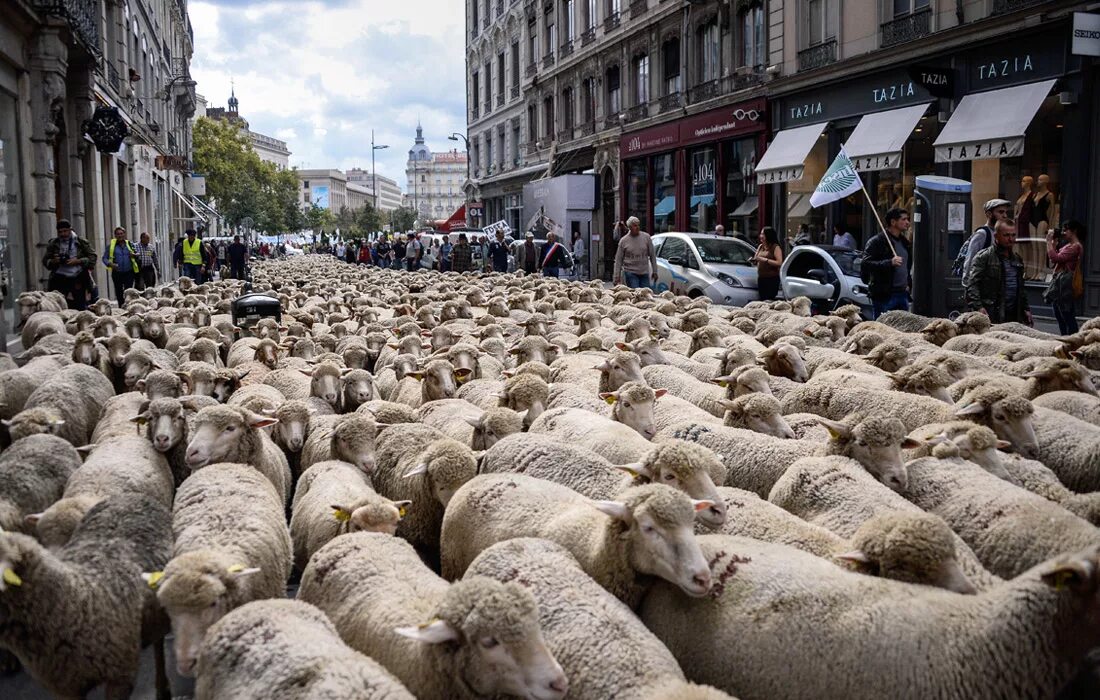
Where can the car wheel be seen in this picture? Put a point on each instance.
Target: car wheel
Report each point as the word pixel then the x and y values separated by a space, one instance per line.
pixel 694 294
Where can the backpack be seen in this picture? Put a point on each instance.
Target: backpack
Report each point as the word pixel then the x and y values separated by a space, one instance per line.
pixel 959 266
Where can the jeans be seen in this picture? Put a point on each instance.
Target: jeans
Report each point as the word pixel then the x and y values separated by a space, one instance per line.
pixel 192 271
pixel 1066 316
pixel 637 281
pixel 549 272
pixel 897 301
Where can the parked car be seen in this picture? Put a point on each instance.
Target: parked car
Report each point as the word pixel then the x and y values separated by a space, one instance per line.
pixel 702 264
pixel 828 275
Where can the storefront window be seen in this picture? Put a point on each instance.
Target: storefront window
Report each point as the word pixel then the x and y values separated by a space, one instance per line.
pixel 637 186
pixel 740 200
pixel 664 193
pixel 801 217
pixel 12 251
pixel 703 204
pixel 894 188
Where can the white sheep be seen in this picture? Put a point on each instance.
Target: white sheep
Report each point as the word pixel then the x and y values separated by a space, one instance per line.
pixel 232 434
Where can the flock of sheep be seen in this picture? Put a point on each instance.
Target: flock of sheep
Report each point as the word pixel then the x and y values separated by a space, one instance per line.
pixel 503 485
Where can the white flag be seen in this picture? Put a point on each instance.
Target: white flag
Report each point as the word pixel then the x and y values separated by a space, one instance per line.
pixel 839 181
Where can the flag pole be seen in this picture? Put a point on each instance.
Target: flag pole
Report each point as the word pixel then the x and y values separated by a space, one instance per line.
pixel 878 218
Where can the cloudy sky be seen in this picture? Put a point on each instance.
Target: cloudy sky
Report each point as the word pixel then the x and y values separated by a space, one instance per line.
pixel 321 74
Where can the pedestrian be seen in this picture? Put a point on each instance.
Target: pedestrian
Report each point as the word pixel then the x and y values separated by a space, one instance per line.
pixel 982 238
pixel 635 260
pixel 121 259
pixel 498 253
pixel 414 250
pixel 997 279
pixel 399 246
pixel 210 258
pixel 553 256
pixel 445 252
pixel 885 265
pixel 70 260
pixel 187 257
pixel 222 251
pixel 768 259
pixel 350 253
pixel 803 236
pixel 483 249
pixel 843 239
pixel 341 250
pixel 238 254
pixel 527 254
pixel 720 230
pixel 580 255
pixel 461 255
pixel 147 263
pixel 364 253
pixel 1067 281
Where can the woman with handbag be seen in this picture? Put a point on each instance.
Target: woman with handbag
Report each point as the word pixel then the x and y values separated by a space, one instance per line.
pixel 1067 283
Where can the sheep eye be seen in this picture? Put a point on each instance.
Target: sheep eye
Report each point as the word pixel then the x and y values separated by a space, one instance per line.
pixel 649 529
pixel 861 443
pixel 670 477
pixel 231 429
pixel 999 416
pixel 489 642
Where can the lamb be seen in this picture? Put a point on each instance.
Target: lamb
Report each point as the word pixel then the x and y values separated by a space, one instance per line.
pixel 1079 405
pixel 220 563
pixel 420 464
pixel 387 604
pixel 640 666
pixel 836 493
pixel 614 541
pixel 121 465
pixel 350 438
pixel 76 395
pixel 333 498
pixel 468 424
pixel 619 441
pixel 286 649
pixel 33 474
pixel 74 616
pixel 232 434
pixel 1023 639
pixel 758 413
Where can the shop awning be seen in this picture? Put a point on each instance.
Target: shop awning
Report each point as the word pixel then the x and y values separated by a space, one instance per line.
pixel 878 139
pixel 786 156
pixel 665 207
pixel 798 206
pixel 747 208
pixel 187 203
pixel 991 124
pixel 704 199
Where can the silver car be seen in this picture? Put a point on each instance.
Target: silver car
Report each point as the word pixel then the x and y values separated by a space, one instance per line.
pixel 828 275
pixel 703 264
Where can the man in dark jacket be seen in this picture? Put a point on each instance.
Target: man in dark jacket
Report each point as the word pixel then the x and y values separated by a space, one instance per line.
pixel 527 255
pixel 552 257
pixel 238 254
pixel 70 260
pixel 498 253
pixel 997 279
pixel 885 265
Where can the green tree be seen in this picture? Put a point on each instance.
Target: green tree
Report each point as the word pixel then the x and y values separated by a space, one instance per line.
pixel 403 218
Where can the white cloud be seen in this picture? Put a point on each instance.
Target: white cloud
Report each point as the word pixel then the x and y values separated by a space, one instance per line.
pixel 322 76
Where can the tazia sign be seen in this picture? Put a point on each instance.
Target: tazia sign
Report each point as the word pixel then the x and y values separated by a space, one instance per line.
pixel 980 150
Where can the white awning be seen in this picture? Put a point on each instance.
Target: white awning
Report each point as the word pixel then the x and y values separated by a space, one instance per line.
pixel 747 208
pixel 991 124
pixel 187 203
pixel 785 158
pixel 878 139
pixel 798 206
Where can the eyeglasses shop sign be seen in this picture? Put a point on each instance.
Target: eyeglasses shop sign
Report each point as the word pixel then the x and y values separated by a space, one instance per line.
pixel 1086 34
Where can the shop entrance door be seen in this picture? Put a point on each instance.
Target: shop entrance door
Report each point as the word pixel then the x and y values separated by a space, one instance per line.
pixel 610 216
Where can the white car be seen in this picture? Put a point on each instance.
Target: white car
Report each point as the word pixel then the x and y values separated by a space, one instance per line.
pixel 828 275
pixel 703 264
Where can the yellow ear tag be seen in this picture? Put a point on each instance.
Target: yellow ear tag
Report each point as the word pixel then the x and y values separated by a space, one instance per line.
pixel 1061 579
pixel 723 384
pixel 463 378
pixel 833 434
pixel 154 579
pixel 342 515
pixel 610 400
pixel 236 569
pixel 11 578
pixel 402 511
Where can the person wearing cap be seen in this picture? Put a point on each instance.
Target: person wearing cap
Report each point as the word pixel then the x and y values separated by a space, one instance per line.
pixel 995 210
pixel 462 259
pixel 997 279
pixel 187 256
pixel 70 260
pixel 527 254
pixel 122 260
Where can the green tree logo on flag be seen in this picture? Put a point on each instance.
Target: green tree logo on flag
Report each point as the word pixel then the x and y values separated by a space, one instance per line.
pixel 839 181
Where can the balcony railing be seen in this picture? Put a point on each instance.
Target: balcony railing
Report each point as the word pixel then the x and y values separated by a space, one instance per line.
pixel 565 135
pixel 173 145
pixel 484 22
pixel 531 147
pixel 589 36
pixel 638 8
pixel 703 92
pixel 488 107
pixel 567 49
pixel 743 80
pixel 82 16
pixel 586 129
pixel 500 7
pixel 548 60
pixel 530 70
pixel 907 28
pixel 611 21
pixel 180 68
pixel 112 77
pixel 637 112
pixel 671 102
pixel 1001 7
pixel 611 121
pixel 500 100
pixel 474 114
pixel 529 9
pixel 515 91
pixel 817 56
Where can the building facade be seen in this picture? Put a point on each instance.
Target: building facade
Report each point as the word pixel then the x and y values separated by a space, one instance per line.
pixel 269 149
pixel 95 103
pixel 389 192
pixel 327 189
pixel 434 180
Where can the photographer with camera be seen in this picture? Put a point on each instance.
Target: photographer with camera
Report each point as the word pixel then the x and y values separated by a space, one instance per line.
pixel 70 260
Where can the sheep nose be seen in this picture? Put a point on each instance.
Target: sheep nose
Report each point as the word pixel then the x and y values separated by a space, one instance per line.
pixel 160 441
pixel 702 580
pixel 559 684
pixel 295 445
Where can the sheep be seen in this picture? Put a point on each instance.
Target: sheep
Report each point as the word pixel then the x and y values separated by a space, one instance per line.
pixel 333 498
pixel 258 398
pixel 1074 403
pixel 756 462
pixel 16 385
pixel 975 443
pixel 621 438
pixel 679 383
pixel 33 474
pixel 290 650
pixel 39 325
pixel 758 413
pixel 87 351
pixel 671 410
pixel 834 400
pixel 1006 412
pixel 75 395
pixel 418 463
pixel 1009 529
pixel 292 429
pixel 350 438
pixel 1043 376
pixel 161 384
pixel 747 380
pixel 523 393
pixel 357 388
pixel 474 638
pixel 167 428
pixel 220 563
pixel 389 413
pixel 74 616
pixel 437 380
pixel 640 666
pixel 1070 448
pixel 645 531
pixel 784 360
pixel 1040 480
pixel 614 370
pixel 233 434
pixel 34 421
pixel 708 336
pixel 468 424
pixel 123 464
pixel 1023 639
pixel 140 361
pixel 836 493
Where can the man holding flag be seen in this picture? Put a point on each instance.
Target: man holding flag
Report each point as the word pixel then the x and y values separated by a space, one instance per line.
pixel 885 265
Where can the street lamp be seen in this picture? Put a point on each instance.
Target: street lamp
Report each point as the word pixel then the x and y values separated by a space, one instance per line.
pixel 455 137
pixel 374 170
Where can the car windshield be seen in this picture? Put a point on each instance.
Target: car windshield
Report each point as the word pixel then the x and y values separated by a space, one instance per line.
pixel 722 252
pixel 849 261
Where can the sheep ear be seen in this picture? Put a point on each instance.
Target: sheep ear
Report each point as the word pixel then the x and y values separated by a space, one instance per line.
pixel 421 468
pixel 474 421
pixel 140 419
pixel 603 367
pixel 910 444
pixel 341 513
pixel 837 430
pixel 1003 444
pixel 346 371
pixel 637 470
pixel 1075 574
pixel 31 519
pixel 728 404
pixel 85 449
pixel 140 384
pixel 257 420
pixel 699 505
pixel 402 507
pixel 972 409
pixel 240 570
pixel 509 373
pixel 615 509
pixel 463 374
pixel 307 372
pixel 625 347
pixel 659 393
pixel 523 415
pixel 723 381
pixel 855 557
pixel 418 375
pixel 434 632
pixel 609 396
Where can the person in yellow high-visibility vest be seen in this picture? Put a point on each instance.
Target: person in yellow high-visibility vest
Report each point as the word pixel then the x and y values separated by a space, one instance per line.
pixel 121 260
pixel 188 257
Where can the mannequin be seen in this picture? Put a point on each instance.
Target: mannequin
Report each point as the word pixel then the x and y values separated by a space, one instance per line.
pixel 1024 207
pixel 1044 207
pixel 899 197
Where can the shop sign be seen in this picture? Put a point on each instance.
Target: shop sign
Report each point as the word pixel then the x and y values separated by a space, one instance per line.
pixel 1086 34
pixel 865 95
pixel 882 161
pixel 715 125
pixel 981 150
pixel 660 138
pixel 772 177
pixel 1016 62
pixel 475 209
pixel 939 82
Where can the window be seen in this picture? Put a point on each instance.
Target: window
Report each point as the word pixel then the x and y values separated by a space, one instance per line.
pixel 515 142
pixel 589 95
pixel 664 193
pixel 532 122
pixel 703 214
pixel 500 74
pixel 548 116
pixel 820 21
pixel 305 184
pixel 475 86
pixel 532 43
pixel 906 7
pixel 637 188
pixel 641 79
pixel 568 108
pixel 488 86
pixel 515 64
pixel 590 18
pixel 753 43
pixel 551 35
pixel 614 7
pixel 674 248
pixel 475 19
pixel 670 60
pixel 489 149
pixel 708 52
pixel 614 91
pixel 570 19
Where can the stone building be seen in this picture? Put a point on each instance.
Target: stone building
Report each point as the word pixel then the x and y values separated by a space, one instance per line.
pixel 389 192
pixel 269 149
pixel 434 180
pixel 95 102
pixel 327 189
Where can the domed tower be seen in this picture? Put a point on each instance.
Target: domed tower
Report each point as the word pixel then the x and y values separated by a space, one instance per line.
pixel 234 105
pixel 420 150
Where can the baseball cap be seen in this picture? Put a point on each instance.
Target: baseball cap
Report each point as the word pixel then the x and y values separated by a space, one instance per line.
pixel 994 203
pixel 529 235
